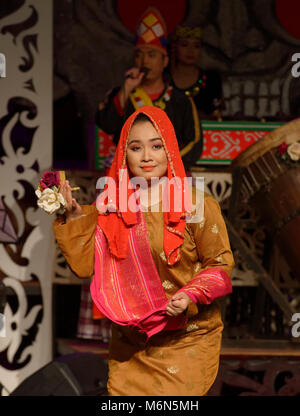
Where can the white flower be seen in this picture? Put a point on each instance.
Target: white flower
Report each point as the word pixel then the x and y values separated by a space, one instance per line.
pixel 51 201
pixel 294 151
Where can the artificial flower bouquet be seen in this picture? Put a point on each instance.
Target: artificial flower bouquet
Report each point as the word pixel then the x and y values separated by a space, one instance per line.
pixel 49 197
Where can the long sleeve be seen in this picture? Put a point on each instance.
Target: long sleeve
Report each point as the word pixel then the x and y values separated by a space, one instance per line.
pixel 213 247
pixel 76 240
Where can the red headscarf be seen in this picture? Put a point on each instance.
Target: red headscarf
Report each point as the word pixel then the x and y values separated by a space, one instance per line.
pixel 115 225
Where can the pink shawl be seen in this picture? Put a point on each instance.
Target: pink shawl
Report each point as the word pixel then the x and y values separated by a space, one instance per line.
pixel 129 291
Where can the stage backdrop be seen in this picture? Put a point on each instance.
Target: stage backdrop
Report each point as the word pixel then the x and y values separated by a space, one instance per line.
pixel 251 43
pixel 26 240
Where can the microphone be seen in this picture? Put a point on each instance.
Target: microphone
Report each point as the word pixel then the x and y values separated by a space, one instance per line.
pixel 142 69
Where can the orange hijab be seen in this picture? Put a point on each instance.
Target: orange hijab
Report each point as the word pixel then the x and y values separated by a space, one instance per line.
pixel 115 225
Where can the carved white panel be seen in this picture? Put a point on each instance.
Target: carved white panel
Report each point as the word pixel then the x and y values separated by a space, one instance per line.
pixel 25 152
pixel 219 185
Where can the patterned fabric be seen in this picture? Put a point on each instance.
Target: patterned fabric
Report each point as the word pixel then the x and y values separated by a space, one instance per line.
pixel 116 225
pixel 183 362
pixel 89 328
pixel 137 298
pixel 152 31
pixel 180 110
pixel 208 285
pixel 179 363
pixel 140 98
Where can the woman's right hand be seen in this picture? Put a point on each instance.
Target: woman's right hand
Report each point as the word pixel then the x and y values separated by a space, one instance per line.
pixel 73 209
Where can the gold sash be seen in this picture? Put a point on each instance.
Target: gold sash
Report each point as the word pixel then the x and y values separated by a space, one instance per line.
pixel 140 98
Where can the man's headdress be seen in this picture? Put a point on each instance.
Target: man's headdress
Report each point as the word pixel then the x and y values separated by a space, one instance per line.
pixel 151 31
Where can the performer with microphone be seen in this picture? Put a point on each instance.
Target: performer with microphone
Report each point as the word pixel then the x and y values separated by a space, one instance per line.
pixel 143 70
pixel 144 85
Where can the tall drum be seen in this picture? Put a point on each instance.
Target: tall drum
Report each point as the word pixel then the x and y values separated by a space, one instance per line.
pixel 270 181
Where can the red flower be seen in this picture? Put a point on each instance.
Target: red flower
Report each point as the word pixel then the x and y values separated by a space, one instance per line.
pixel 49 179
pixel 282 148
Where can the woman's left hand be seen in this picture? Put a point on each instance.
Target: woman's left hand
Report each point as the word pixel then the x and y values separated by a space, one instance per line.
pixel 178 304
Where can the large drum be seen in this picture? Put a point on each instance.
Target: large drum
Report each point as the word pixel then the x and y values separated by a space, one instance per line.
pixel 272 185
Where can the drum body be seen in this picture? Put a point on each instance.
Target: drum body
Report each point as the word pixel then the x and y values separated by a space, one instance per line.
pixel 272 186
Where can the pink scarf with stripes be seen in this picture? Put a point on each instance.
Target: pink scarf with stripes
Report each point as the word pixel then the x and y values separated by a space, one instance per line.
pixel 129 291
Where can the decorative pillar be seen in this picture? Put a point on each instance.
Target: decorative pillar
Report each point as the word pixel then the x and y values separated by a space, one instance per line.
pixel 26 238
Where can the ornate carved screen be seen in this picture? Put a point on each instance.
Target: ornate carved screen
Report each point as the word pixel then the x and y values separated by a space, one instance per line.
pixel 26 246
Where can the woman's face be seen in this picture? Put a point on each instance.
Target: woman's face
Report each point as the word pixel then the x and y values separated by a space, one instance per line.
pixel 146 156
pixel 188 50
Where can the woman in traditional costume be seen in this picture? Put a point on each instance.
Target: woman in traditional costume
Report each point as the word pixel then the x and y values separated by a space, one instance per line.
pixel 157 268
pixel 184 73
